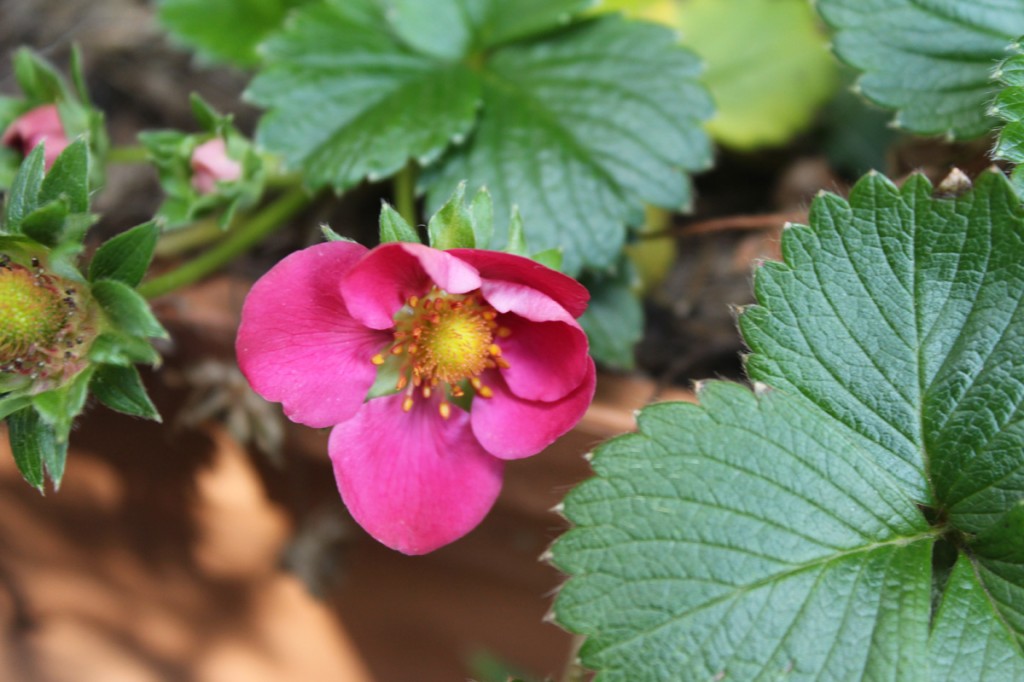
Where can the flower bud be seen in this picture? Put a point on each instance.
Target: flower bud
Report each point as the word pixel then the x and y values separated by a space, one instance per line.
pixel 211 164
pixel 41 124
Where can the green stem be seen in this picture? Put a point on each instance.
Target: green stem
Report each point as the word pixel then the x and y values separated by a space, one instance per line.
pixel 199 233
pixel 235 243
pixel 405 193
pixel 132 154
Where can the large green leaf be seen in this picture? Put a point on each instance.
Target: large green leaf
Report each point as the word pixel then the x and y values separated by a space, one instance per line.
pixel 1009 105
pixel 577 124
pixel 931 60
pixel 789 532
pixel 225 30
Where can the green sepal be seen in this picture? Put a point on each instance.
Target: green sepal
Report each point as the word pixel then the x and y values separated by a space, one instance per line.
pixel 332 236
pixel 115 348
pixel 516 235
pixel 60 406
pixel 393 227
pixel 35 447
pixel 481 213
pixel 127 309
pixel 551 258
pixel 387 378
pixel 45 224
pixel 23 196
pixel 12 403
pixel 452 226
pixel 68 179
pixel 127 256
pixel 121 389
pixel 37 78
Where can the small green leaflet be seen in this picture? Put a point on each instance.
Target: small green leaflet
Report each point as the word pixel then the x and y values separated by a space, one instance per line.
pixel 931 60
pixel 578 122
pixel 860 514
pixel 225 30
pixel 1009 106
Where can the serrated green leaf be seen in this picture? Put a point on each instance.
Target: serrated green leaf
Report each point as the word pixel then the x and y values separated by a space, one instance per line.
pixel 930 60
pixel 35 447
pixel 614 105
pixel 393 227
pixel 59 407
pixel 127 256
pixel 451 227
pixel 587 94
pixel 1009 105
pixel 23 197
pixel 614 319
pixel 225 30
pixel 126 309
pixel 789 533
pixel 768 68
pixel 121 389
pixel 68 179
pixel 377 103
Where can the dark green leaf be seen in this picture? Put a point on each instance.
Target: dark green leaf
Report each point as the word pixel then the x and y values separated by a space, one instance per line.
pixel 126 257
pixel 614 319
pixel 789 532
pixel 23 197
pixel 225 30
pixel 393 227
pixel 126 309
pixel 451 227
pixel 588 96
pixel 377 104
pixel 930 60
pixel 121 389
pixel 68 179
pixel 1009 105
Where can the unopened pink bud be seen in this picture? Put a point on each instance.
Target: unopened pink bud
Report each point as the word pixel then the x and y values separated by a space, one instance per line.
pixel 35 126
pixel 211 164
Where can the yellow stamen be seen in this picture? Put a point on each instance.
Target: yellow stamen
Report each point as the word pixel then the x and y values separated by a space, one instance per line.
pixel 445 409
pixel 485 392
pixel 407 404
pixel 377 359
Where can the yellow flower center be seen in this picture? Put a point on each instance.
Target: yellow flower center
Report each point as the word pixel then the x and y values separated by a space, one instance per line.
pixel 444 342
pixel 32 312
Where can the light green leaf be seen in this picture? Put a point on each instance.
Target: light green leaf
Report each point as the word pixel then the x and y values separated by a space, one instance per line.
pixel 788 533
pixel 617 109
pixel 126 257
pixel 931 60
pixel 120 349
pixel 768 68
pixel 126 309
pixel 34 446
pixel 121 389
pixel 225 30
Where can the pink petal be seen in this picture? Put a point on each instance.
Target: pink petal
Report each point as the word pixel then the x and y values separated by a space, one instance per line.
pixel 413 480
pixel 41 124
pixel 506 267
pixel 211 164
pixel 297 343
pixel 512 428
pixel 382 282
pixel 547 360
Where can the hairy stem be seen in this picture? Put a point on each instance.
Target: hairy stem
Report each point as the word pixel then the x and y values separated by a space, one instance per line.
pixel 130 154
pixel 236 242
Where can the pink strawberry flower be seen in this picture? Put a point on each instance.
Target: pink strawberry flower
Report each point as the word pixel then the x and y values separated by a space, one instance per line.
pixel 211 164
pixel 488 360
pixel 35 126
